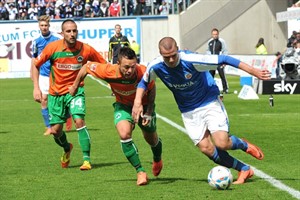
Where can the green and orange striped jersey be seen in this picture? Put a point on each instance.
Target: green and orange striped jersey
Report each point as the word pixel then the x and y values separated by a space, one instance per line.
pixel 124 89
pixel 66 63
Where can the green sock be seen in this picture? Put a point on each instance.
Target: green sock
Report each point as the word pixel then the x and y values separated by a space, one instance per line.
pixel 157 150
pixel 84 142
pixel 61 140
pixel 131 153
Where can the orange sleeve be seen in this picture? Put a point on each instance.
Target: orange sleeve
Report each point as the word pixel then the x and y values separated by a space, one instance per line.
pixel 98 70
pixel 96 56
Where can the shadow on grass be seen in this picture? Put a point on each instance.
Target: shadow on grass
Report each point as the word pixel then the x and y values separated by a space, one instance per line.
pixel 4 132
pixel 99 165
pixel 75 131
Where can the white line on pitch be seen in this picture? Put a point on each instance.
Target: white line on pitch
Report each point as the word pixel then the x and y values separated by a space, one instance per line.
pixel 276 183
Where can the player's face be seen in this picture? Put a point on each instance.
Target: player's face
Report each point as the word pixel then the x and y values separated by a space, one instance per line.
pixel 118 30
pixel 44 27
pixel 127 67
pixel 171 56
pixel 70 33
pixel 215 34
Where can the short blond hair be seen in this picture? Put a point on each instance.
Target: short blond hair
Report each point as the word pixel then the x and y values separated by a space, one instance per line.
pixel 45 18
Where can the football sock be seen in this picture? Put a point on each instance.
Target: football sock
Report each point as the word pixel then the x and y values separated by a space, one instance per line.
pixel 45 114
pixel 157 150
pixel 84 142
pixel 222 157
pixel 131 153
pixel 238 143
pixel 61 140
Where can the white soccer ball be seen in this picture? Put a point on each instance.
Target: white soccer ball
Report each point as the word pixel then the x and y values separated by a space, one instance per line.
pixel 219 178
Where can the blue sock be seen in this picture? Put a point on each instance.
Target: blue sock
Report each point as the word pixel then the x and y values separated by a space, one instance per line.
pixel 221 157
pixel 45 115
pixel 238 143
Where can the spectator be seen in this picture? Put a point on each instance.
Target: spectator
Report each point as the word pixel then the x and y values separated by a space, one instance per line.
pixel 156 4
pixel 62 9
pixel 114 9
pixel 3 12
pixel 260 47
pixel 77 9
pixel 163 8
pixel 41 6
pixel 23 9
pixel 69 11
pixel 140 6
pixel 49 11
pixel 147 7
pixel 103 11
pixel 130 7
pixel 88 12
pixel 32 12
pixel 12 11
pixel 291 39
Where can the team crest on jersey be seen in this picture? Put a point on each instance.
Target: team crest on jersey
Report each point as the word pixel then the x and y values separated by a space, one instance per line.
pixel 79 58
pixel 188 75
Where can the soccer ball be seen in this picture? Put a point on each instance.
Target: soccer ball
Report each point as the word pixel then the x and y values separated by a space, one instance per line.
pixel 219 178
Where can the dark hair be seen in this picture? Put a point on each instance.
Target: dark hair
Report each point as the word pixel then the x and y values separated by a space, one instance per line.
pixel 260 42
pixel 215 29
pixel 126 52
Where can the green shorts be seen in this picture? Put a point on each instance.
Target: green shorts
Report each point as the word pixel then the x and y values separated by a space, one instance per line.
pixel 123 112
pixel 60 107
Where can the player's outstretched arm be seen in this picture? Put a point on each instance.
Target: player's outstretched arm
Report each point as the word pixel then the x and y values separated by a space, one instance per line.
pixel 137 109
pixel 262 74
pixel 80 77
pixel 37 94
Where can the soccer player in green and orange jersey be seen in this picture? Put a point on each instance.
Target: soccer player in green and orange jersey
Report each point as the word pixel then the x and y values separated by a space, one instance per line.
pixel 67 57
pixel 123 78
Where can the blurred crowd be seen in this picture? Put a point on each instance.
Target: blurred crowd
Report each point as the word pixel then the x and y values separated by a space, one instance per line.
pixel 60 9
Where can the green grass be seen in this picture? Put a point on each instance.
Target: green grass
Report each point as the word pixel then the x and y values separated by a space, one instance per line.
pixel 30 168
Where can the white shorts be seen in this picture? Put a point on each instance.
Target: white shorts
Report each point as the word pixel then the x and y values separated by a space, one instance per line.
pixel 44 84
pixel 212 117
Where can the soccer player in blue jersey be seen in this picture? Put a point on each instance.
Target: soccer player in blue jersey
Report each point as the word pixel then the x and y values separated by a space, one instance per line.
pixel 38 44
pixel 186 74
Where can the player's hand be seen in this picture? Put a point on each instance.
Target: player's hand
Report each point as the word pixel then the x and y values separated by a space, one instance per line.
pixel 72 90
pixel 146 119
pixel 137 111
pixel 37 95
pixel 263 74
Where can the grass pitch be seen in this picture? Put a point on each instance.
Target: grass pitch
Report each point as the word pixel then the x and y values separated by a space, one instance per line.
pixel 30 162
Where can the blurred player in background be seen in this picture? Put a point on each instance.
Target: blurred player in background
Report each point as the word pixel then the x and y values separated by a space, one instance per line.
pixel 66 56
pixel 197 96
pixel 38 45
pixel 123 78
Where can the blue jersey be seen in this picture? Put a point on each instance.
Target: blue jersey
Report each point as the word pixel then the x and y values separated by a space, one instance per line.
pixel 38 45
pixel 190 81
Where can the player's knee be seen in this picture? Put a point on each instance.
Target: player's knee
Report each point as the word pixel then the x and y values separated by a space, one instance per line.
pixel 79 123
pixel 223 144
